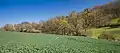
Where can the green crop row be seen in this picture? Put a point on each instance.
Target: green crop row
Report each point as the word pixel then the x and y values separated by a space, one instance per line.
pixel 60 48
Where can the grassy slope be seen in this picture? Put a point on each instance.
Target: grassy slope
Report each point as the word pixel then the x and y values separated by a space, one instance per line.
pixel 115 21
pixel 96 32
pixel 47 43
pixel 114 31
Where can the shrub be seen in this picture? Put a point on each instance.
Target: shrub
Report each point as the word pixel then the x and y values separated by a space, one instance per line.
pixel 9 27
pixel 35 31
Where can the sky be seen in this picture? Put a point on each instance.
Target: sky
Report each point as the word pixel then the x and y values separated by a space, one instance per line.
pixel 16 11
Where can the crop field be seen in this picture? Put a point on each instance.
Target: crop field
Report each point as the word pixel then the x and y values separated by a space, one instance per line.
pixel 15 42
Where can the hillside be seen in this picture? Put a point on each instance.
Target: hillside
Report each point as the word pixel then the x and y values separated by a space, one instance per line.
pixel 112 30
pixel 48 43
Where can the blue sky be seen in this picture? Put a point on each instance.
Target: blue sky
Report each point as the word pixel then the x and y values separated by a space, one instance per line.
pixel 16 11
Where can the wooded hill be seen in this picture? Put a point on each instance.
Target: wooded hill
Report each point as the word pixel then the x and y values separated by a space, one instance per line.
pixel 76 23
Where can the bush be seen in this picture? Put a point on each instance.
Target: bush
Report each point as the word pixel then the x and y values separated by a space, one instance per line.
pixel 35 31
pixel 9 27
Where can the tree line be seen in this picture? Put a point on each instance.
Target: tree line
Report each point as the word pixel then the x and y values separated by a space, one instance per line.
pixel 76 23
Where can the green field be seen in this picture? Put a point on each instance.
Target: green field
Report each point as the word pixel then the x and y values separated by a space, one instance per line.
pixel 15 42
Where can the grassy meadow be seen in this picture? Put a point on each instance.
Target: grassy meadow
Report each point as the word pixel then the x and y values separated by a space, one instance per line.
pixel 16 42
